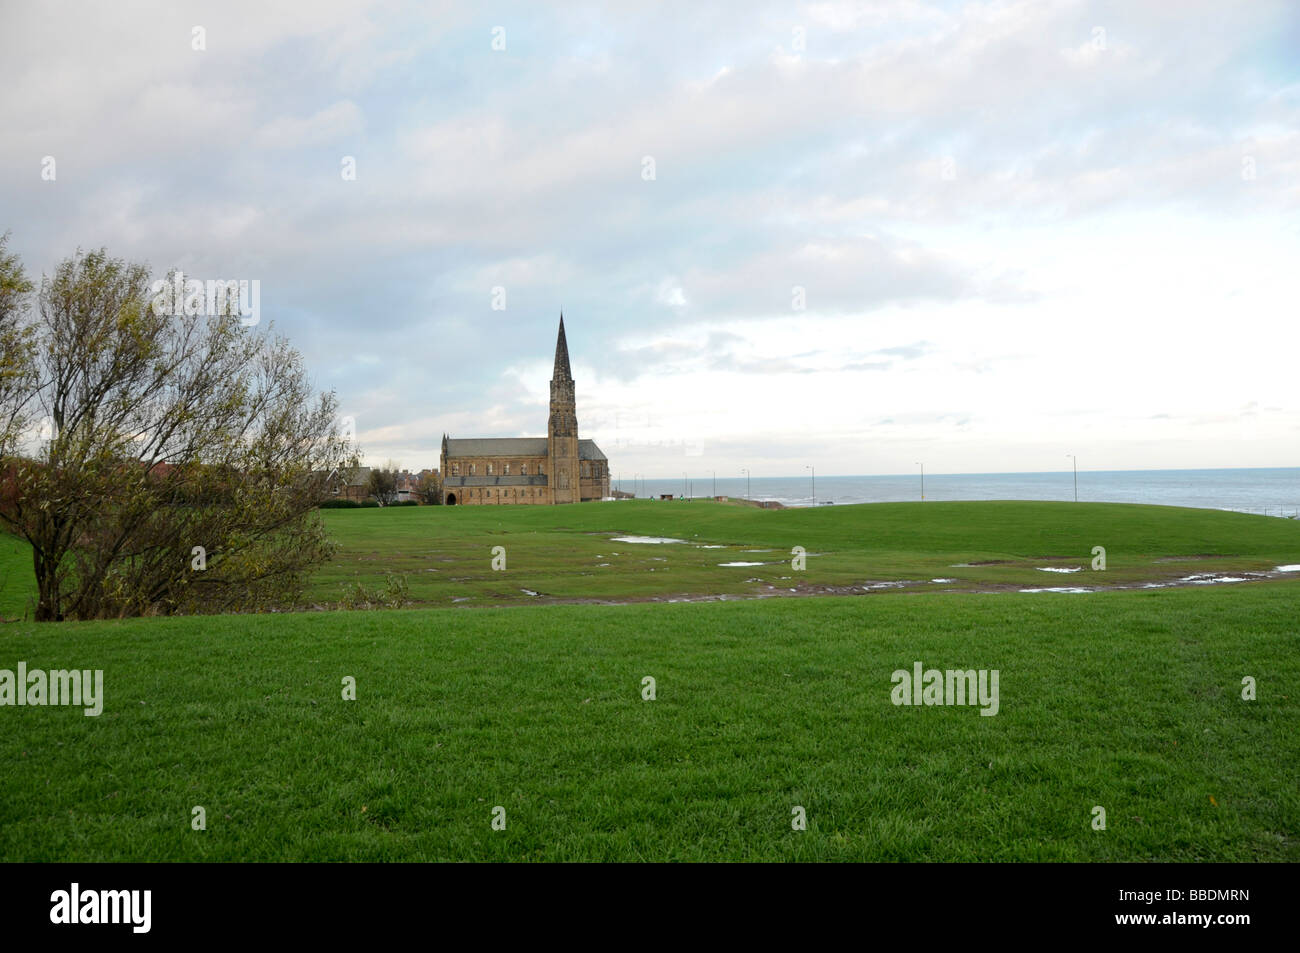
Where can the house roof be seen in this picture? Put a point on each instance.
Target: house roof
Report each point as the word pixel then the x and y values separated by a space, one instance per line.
pixel 356 476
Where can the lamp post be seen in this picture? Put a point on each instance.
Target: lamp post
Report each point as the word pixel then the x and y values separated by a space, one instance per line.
pixel 1076 475
pixel 684 484
pixel 634 493
pixel 809 466
pixel 746 472
pixel 922 466
pixel 715 484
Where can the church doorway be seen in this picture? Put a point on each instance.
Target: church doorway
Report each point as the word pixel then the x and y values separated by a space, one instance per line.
pixel 451 499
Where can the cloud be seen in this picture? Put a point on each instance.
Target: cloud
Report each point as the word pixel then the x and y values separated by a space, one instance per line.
pixel 976 202
pixel 335 121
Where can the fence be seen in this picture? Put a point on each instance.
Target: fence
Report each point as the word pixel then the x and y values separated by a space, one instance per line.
pixel 1290 512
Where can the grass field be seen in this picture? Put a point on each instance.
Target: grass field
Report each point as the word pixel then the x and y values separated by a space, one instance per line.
pixel 568 554
pixel 1128 700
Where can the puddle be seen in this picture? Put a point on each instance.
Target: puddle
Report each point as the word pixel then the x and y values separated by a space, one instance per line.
pixel 646 539
pixel 943 580
pixel 529 591
pixel 1057 569
pixel 740 564
pixel 1058 589
pixel 1292 568
pixel 711 546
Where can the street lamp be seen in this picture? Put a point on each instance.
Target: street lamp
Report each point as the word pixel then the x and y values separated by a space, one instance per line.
pixel 809 466
pixel 746 472
pixel 715 484
pixel 1076 475
pixel 922 466
pixel 683 484
pixel 634 493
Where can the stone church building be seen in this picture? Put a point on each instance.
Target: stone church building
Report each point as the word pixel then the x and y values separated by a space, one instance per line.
pixel 557 468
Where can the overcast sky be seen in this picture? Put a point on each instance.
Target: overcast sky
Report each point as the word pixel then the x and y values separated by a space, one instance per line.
pixel 1020 229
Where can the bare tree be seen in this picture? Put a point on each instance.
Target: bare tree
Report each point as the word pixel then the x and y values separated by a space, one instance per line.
pixel 383 483
pixel 182 459
pixel 17 350
pixel 429 489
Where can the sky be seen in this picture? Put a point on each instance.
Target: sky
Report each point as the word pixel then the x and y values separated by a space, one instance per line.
pixel 857 236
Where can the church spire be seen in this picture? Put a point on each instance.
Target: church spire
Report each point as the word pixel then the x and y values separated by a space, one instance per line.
pixel 562 372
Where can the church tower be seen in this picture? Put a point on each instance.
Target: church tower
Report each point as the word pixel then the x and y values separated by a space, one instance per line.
pixel 562 430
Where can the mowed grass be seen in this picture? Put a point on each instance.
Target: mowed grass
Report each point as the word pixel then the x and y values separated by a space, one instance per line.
pixel 1127 700
pixel 17 577
pixel 567 553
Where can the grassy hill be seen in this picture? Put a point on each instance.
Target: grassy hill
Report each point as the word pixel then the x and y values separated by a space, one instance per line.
pixel 568 553
pixel 1128 700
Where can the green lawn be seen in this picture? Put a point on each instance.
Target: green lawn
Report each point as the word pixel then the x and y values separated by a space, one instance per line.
pixel 17 579
pixel 1128 700
pixel 566 553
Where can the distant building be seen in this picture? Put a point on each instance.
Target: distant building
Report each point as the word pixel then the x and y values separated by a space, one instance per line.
pixel 557 468
pixel 349 483
pixel 405 485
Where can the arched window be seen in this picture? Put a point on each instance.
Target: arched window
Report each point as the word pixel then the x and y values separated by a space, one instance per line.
pixel 506 470
pixel 523 469
pixel 489 469
pixel 471 469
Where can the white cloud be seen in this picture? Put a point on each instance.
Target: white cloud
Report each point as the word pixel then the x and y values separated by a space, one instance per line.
pixel 335 121
pixel 1096 268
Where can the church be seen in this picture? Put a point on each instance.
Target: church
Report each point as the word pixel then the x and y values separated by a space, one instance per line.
pixel 557 468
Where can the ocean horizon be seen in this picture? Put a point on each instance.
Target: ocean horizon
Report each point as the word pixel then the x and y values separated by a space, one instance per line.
pixel 1273 491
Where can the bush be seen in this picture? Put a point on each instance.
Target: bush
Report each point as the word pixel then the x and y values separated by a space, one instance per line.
pixel 339 505
pixel 369 503
pixel 394 595
pixel 405 503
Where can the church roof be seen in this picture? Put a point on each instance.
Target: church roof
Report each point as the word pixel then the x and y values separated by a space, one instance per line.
pixel 514 447
pixel 561 372
pixel 497 447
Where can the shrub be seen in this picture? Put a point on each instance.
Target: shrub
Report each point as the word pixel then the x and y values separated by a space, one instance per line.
pixel 394 595
pixel 368 503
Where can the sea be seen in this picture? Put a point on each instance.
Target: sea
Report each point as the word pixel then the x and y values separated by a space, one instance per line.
pixel 1266 491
